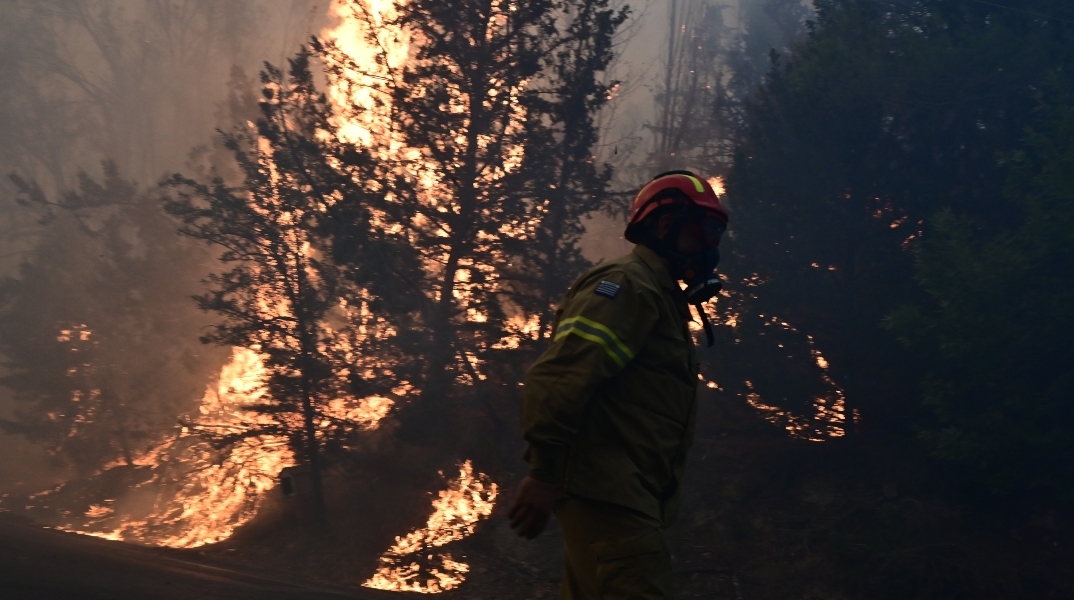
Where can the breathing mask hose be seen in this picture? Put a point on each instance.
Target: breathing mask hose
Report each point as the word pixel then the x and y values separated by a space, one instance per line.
pixel 709 337
pixel 704 288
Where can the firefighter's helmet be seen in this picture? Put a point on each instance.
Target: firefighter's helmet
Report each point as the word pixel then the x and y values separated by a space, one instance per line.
pixel 673 188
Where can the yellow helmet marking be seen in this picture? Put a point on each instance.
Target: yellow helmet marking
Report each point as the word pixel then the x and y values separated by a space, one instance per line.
pixel 700 187
pixel 697 183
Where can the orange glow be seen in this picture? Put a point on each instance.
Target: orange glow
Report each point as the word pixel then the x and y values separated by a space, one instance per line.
pixel 717 185
pixel 374 54
pixel 213 499
pixel 214 494
pixel 829 417
pixel 456 512
pixel 199 494
pixel 377 53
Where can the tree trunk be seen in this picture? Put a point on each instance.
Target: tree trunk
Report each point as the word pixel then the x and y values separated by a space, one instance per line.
pixel 308 413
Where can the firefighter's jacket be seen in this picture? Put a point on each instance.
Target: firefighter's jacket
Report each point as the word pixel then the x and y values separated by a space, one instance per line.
pixel 608 410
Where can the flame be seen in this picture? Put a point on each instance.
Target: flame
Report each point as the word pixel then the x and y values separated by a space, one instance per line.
pixel 373 53
pixel 201 494
pixel 456 511
pixel 518 328
pixel 360 90
pixel 717 185
pixel 98 511
pixel 829 408
pixel 217 493
pixel 205 494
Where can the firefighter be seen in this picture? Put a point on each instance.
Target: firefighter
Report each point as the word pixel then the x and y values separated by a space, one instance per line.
pixel 608 410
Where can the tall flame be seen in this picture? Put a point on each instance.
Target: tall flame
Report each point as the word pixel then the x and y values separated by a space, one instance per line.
pixel 456 511
pixel 201 494
pixel 360 92
pixel 374 54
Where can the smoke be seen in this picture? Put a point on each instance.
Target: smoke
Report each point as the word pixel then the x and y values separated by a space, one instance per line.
pixel 656 122
pixel 24 466
pixel 139 82
pixel 143 84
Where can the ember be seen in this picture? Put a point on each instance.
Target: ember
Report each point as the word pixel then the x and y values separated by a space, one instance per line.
pixel 829 407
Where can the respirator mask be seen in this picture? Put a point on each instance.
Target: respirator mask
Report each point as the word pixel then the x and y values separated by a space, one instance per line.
pixel 697 270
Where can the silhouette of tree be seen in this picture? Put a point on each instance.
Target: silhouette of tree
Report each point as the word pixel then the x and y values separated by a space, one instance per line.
pixel 488 166
pixel 283 296
pixel 995 329
pixel 559 181
pixel 95 316
pixel 711 66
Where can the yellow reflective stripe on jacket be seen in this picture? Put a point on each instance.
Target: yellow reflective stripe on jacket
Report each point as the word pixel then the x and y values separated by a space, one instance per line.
pixel 595 332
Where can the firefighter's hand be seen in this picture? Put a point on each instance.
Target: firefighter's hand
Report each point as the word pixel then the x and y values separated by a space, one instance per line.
pixel 533 505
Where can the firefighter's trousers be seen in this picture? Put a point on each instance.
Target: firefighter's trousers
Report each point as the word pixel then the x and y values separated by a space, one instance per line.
pixel 612 553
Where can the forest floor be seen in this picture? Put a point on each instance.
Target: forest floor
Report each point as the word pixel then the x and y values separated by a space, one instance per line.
pixel 764 517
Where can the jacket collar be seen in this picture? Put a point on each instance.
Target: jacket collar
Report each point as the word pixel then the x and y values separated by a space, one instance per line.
pixel 653 261
pixel 673 288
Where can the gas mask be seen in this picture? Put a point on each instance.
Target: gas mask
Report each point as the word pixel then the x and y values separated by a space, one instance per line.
pixel 698 270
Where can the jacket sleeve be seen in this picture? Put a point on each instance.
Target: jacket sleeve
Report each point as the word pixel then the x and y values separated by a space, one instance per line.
pixel 602 324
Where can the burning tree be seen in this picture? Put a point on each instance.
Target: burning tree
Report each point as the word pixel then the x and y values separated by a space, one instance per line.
pixel 480 114
pixel 283 296
pixel 559 180
pixel 455 107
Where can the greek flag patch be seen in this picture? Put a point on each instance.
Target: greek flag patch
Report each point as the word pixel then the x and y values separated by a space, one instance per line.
pixel 607 289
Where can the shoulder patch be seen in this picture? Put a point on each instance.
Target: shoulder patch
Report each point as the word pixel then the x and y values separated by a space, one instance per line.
pixel 607 289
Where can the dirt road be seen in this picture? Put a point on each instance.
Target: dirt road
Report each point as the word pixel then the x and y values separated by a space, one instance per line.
pixel 42 564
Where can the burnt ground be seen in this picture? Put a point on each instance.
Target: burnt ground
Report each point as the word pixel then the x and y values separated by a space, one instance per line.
pixel 764 517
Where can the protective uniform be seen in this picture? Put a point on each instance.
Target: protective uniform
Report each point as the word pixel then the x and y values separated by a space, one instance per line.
pixel 608 413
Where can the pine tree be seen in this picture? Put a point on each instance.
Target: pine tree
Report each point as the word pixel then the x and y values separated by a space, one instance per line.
pixel 283 295
pixel 559 181
pixel 486 142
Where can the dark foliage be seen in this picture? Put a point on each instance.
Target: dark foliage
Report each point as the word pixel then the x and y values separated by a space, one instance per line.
pixel 97 312
pixel 886 114
pixel 996 328
pixel 283 295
